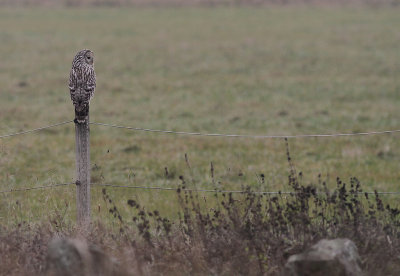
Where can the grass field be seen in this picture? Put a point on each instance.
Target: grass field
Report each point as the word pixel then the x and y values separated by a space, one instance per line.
pixel 274 70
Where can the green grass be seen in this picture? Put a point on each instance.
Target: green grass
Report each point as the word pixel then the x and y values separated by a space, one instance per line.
pixel 275 70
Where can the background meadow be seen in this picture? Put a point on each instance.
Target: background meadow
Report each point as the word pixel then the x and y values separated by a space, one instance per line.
pixel 268 70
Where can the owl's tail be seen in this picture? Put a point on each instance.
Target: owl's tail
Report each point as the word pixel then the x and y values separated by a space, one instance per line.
pixel 80 99
pixel 81 113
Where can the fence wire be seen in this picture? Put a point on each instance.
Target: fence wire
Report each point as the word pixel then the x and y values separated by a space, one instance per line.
pixel 220 191
pixel 245 135
pixel 176 189
pixel 36 188
pixel 208 134
pixel 36 129
pixel 192 134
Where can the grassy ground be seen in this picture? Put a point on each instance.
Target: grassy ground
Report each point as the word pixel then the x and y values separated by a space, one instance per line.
pixel 280 70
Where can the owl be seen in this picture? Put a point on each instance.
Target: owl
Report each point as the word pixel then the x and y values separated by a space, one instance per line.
pixel 82 83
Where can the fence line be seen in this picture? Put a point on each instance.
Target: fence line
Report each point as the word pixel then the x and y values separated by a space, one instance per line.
pixel 36 188
pixel 36 129
pixel 220 191
pixel 209 134
pixel 247 136
pixel 83 162
pixel 186 189
pixel 174 189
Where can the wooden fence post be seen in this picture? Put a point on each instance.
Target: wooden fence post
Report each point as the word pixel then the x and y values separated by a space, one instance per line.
pixel 82 172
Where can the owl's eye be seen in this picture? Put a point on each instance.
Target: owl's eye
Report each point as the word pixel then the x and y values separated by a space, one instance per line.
pixel 88 57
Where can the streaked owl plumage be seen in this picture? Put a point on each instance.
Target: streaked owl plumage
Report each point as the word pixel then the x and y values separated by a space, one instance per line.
pixel 82 83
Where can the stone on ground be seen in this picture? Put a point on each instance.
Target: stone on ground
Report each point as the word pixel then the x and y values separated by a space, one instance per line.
pixel 327 257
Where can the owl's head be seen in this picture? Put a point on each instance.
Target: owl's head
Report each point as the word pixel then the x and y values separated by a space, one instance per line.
pixel 84 56
pixel 89 57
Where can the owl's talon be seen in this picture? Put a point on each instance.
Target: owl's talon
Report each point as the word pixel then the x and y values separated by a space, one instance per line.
pixel 77 121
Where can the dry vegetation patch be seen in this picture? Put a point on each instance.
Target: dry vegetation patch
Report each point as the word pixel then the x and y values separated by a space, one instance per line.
pixel 246 234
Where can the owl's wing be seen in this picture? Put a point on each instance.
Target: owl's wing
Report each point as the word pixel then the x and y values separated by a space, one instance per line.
pixel 91 83
pixel 72 80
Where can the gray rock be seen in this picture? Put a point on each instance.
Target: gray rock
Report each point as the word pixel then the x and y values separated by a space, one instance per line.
pixel 67 257
pixel 328 257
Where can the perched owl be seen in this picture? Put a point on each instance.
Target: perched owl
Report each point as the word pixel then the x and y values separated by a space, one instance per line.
pixel 82 83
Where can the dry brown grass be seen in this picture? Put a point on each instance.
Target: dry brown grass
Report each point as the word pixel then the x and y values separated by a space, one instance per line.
pixel 244 234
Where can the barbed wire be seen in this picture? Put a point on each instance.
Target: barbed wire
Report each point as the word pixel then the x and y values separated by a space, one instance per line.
pixel 220 191
pixel 36 188
pixel 176 189
pixel 245 135
pixel 209 134
pixel 185 189
pixel 36 129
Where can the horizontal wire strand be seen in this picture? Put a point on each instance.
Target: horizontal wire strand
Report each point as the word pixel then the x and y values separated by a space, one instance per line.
pixel 175 189
pixel 244 135
pixel 193 134
pixel 189 190
pixel 208 134
pixel 36 129
pixel 36 188
pixel 219 191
